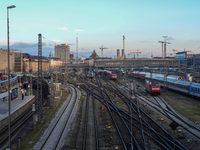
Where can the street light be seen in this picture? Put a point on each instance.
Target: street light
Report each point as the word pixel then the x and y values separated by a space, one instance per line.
pixel 9 7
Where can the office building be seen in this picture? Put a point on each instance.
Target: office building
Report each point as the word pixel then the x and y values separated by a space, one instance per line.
pixel 63 52
pixel 15 60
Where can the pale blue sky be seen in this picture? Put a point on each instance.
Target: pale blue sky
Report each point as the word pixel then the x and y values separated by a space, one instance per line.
pixel 143 23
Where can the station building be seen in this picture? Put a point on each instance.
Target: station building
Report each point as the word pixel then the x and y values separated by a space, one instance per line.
pixel 188 60
pixel 16 60
pixel 137 63
pixel 31 63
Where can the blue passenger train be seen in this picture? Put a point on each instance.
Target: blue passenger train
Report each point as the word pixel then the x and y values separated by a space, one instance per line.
pixel 180 85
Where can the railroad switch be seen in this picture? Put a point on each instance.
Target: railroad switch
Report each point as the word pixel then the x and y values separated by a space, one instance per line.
pixel 162 119
pixel 144 104
pixel 116 147
pixel 101 107
pixel 179 130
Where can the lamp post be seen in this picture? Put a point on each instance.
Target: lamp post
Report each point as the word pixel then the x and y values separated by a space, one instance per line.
pixel 9 118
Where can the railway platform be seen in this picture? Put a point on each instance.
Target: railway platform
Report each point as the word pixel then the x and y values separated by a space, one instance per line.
pixel 17 107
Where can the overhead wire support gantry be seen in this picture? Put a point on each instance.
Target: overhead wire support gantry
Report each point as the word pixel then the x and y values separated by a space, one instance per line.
pixel 39 80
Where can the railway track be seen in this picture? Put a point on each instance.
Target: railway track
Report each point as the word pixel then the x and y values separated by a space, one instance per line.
pixel 135 129
pixel 143 122
pixel 90 136
pixel 54 136
pixel 159 104
pixel 16 126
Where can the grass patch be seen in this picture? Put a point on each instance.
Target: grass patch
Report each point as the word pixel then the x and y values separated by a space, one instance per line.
pixel 187 106
pixel 36 131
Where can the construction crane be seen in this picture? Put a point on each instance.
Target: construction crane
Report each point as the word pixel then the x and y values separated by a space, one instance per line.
pixel 102 50
pixel 174 51
pixel 170 54
pixel 133 53
pixel 165 45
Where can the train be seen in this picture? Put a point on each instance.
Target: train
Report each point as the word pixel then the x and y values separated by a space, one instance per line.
pixel 90 74
pixel 142 75
pixel 177 84
pixel 152 87
pixel 110 74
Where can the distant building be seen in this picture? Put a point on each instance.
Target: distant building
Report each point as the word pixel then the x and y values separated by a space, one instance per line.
pixel 82 59
pixel 15 60
pixel 185 58
pixel 30 62
pixel 197 62
pixel 94 55
pixel 63 52
pixel 55 62
pixel 71 57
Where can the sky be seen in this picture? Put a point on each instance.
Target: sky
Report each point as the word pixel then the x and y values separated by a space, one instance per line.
pixel 102 22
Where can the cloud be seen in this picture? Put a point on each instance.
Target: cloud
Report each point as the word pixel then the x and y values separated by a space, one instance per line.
pixel 2 37
pixel 84 54
pixel 70 44
pixel 26 45
pixel 63 28
pixel 23 45
pixel 143 41
pixel 170 39
pixel 83 49
pixel 79 30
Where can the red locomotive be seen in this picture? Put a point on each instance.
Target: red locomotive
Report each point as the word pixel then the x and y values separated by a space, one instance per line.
pixel 110 74
pixel 152 87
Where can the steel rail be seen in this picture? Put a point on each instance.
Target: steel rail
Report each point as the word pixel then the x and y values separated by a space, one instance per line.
pixel 59 138
pixel 125 96
pixel 54 125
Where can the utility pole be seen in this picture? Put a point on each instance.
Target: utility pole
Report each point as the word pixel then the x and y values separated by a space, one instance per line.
pixel 51 82
pixel 123 56
pixel 102 48
pixel 39 81
pixel 77 56
pixel 31 70
pixel 66 88
pixel 193 65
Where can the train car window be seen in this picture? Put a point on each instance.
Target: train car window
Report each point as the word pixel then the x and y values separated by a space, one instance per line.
pixel 194 89
pixel 155 85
